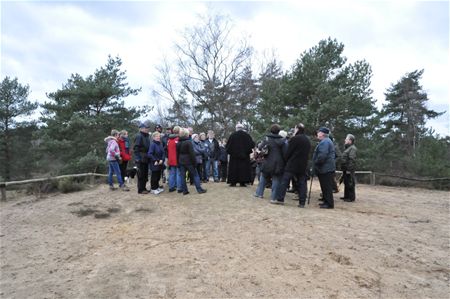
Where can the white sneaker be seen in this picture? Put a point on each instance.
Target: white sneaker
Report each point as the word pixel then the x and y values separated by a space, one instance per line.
pixel 156 192
pixel 160 190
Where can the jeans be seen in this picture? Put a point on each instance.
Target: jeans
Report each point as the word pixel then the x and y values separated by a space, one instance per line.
pixel 215 166
pixel 174 178
pixel 276 184
pixel 194 173
pixel 302 186
pixel 261 185
pixel 114 168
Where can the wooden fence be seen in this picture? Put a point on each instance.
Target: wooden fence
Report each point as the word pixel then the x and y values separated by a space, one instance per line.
pixel 4 185
pixel 372 176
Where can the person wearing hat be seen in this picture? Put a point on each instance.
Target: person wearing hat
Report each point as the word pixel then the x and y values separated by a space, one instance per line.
pixel 325 166
pixel 240 145
pixel 141 147
pixel 348 168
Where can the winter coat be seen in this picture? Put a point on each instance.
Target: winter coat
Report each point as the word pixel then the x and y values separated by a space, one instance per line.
pixel 199 151
pixel 213 149
pixel 112 149
pixel 155 154
pixel 172 149
pixel 141 146
pixel 223 156
pixel 239 147
pixel 185 152
pixel 273 163
pixel 324 157
pixel 124 145
pixel 297 154
pixel 349 158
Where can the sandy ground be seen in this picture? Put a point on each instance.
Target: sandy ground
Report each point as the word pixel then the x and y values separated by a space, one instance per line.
pixel 390 243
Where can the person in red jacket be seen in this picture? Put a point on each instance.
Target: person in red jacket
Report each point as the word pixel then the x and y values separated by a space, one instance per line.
pixel 174 172
pixel 125 155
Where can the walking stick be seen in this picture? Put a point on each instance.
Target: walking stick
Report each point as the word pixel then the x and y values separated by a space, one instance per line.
pixel 310 187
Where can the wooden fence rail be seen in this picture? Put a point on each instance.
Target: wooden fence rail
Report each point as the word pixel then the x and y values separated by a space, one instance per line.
pixel 3 185
pixel 92 175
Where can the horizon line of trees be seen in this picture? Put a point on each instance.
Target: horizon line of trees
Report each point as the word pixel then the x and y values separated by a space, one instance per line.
pixel 210 84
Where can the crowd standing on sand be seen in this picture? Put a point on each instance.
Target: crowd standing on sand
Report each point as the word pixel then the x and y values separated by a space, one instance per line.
pixel 280 161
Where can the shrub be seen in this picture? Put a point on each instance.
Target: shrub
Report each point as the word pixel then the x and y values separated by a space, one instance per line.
pixel 69 185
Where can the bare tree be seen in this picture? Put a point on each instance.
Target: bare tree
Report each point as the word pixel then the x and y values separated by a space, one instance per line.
pixel 211 68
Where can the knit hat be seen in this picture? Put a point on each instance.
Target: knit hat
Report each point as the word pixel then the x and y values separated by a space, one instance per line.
pixel 144 124
pixel 324 130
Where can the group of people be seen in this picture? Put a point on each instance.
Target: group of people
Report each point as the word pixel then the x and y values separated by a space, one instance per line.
pixel 280 160
pixel 286 160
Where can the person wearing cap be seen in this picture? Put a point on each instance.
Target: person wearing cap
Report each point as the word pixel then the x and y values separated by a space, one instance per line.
pixel 325 166
pixel 348 167
pixel 239 147
pixel 140 150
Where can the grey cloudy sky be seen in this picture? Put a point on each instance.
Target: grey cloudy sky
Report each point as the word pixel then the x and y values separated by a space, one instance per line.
pixel 43 43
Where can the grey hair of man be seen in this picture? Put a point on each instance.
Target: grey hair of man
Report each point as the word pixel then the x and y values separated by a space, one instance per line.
pixel 239 127
pixel 300 128
pixel 350 137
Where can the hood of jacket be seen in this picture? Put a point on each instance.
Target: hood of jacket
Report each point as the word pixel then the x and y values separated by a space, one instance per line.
pixel 276 138
pixel 109 138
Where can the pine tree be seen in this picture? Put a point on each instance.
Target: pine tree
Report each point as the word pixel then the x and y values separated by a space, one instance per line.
pixel 14 104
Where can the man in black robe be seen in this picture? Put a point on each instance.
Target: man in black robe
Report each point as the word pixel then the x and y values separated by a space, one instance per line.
pixel 239 147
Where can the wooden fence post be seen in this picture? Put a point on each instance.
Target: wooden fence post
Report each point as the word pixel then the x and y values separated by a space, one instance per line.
pixel 3 190
pixel 372 179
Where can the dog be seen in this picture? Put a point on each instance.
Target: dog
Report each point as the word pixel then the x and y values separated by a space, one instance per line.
pixel 131 174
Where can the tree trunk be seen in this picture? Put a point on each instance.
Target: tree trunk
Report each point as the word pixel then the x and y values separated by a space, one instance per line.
pixel 7 156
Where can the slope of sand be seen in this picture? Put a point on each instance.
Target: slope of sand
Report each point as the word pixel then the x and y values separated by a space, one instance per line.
pixel 391 243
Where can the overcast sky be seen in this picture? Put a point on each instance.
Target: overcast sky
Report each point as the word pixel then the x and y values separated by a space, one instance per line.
pixel 43 43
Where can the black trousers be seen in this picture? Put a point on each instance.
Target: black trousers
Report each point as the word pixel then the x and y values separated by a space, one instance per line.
pixel 349 185
pixel 123 169
pixel 326 185
pixel 223 173
pixel 142 176
pixel 154 180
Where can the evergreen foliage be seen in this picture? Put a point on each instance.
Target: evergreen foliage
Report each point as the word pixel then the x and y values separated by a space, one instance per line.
pixel 14 104
pixel 320 89
pixel 81 114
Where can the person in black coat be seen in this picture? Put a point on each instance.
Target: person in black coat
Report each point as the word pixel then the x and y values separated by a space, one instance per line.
pixel 140 149
pixel 223 161
pixel 273 164
pixel 296 164
pixel 239 147
pixel 186 162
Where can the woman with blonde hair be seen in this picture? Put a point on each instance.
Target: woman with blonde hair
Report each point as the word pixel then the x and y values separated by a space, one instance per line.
pixel 156 155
